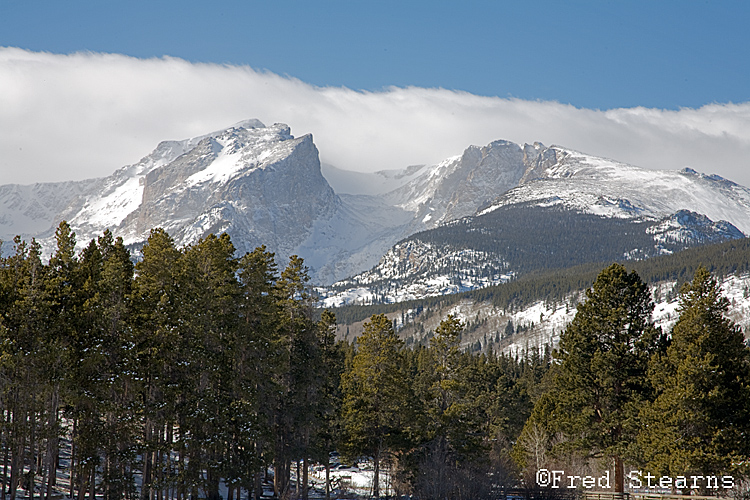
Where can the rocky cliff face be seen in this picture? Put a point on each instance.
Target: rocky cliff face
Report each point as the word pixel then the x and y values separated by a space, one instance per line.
pixel 261 186
pixel 460 185
pixel 264 186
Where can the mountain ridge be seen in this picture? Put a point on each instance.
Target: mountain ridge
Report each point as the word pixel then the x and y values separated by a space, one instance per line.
pixel 264 186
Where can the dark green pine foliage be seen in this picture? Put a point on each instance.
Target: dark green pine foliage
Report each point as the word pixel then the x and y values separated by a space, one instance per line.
pixel 457 393
pixel 460 389
pixel 699 422
pixel 156 353
pixel 601 379
pixel 253 357
pixel 209 294
pixel 30 364
pixel 376 395
pixel 298 366
pixel 329 395
pixel 110 365
pixel 72 285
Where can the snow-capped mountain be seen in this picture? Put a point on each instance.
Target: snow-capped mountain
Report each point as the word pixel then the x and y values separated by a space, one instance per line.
pixel 262 185
pixel 459 185
pixel 259 184
pixel 568 208
pixel 605 187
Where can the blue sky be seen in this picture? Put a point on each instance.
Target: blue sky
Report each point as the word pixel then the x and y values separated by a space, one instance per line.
pixel 592 54
pixel 89 86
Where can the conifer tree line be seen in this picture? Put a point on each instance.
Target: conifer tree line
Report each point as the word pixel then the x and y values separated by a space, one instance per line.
pixel 621 395
pixel 196 373
pixel 189 369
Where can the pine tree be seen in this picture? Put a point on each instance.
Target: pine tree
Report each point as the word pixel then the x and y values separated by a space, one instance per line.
pixel 32 361
pixel 156 303
pixel 601 380
pixel 375 405
pixel 328 407
pixel 449 408
pixel 210 294
pixel 255 357
pixel 119 385
pixel 699 422
pixel 298 362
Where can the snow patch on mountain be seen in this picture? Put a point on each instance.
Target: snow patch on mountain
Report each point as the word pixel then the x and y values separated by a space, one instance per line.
pixel 600 186
pixel 522 331
pixel 689 227
pixel 412 270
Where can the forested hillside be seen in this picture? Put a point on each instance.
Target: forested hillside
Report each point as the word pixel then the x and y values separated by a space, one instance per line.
pixel 559 286
pixel 198 373
pixel 514 240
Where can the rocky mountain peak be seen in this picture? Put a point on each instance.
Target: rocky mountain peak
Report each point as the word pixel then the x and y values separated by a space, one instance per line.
pixel 262 185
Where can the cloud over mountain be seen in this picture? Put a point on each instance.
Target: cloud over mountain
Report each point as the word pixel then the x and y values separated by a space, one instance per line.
pixel 85 114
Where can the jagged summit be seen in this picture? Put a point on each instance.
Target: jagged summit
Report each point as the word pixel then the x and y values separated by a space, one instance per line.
pixel 605 187
pixel 263 185
pixel 244 179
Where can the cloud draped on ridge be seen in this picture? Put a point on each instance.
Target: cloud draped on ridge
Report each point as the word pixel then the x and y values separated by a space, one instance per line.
pixel 83 115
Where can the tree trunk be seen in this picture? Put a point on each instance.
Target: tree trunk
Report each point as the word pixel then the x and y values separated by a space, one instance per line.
pixel 281 472
pixel 212 480
pixel 16 469
pixel 296 482
pixel 72 459
pixel 82 483
pixel 147 455
pixel 328 479
pixel 5 461
pixel 376 475
pixel 92 485
pixel 305 467
pixel 170 462
pixel 259 483
pixel 619 475
pixel 33 461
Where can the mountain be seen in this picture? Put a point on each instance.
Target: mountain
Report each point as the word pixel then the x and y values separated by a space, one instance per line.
pixel 260 184
pixel 529 313
pixel 264 186
pixel 482 217
pixel 567 209
pixel 589 184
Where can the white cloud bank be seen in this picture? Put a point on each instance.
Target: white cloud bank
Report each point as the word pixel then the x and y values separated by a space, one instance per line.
pixel 65 117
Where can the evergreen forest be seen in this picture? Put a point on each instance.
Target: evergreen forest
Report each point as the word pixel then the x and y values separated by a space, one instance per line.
pixel 195 373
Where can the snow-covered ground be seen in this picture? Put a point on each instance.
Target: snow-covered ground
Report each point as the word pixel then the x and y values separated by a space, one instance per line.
pixel 414 270
pixel 540 324
pixel 550 320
